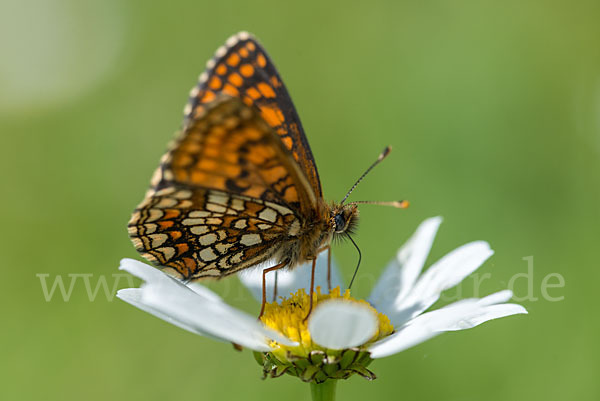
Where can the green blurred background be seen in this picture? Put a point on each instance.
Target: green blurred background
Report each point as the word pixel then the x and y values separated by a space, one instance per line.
pixel 493 110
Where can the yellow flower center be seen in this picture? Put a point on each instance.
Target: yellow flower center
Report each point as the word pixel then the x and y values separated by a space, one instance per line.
pixel 288 318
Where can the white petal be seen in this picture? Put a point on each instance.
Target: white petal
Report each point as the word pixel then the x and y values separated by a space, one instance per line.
pixel 174 302
pixel 442 275
pixel 478 311
pixel 459 315
pixel 144 271
pixel 289 281
pixel 484 314
pixel 496 298
pixel 342 324
pixel 204 292
pixel 216 319
pixel 400 275
pixel 420 329
pixel 133 296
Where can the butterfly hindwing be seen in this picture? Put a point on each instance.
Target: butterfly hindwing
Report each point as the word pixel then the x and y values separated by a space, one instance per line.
pixel 196 233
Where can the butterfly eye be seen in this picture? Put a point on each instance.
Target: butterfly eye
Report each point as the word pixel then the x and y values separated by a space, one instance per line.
pixel 340 222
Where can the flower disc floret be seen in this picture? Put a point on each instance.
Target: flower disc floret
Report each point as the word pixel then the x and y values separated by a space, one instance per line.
pixel 309 360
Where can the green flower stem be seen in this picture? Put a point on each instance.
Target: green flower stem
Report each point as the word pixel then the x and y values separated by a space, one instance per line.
pixel 323 391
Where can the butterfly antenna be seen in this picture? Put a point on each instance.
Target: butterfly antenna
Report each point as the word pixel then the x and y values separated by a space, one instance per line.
pixel 359 259
pixel 382 156
pixel 401 204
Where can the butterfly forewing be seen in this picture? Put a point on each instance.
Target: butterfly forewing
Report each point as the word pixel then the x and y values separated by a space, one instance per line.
pixel 232 149
pixel 226 196
pixel 243 69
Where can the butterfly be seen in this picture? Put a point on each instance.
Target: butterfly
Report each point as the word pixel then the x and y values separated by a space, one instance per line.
pixel 239 185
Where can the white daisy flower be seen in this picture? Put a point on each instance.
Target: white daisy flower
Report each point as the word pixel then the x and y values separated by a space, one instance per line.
pixel 342 335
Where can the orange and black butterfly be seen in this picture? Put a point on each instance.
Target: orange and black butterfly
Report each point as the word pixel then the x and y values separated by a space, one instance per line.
pixel 239 186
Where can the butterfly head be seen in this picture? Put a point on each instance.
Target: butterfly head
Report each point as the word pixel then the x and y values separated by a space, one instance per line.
pixel 344 218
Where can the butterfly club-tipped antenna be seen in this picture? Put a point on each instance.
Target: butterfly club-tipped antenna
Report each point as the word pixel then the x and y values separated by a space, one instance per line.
pixel 401 204
pixel 382 156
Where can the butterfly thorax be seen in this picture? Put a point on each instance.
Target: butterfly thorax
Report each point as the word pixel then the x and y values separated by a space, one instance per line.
pixel 333 221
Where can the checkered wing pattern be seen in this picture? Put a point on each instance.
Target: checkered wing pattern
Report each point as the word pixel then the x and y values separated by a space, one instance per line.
pixel 227 195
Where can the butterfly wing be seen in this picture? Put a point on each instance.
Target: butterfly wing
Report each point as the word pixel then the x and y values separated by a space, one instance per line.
pixel 226 196
pixel 241 68
pixel 230 148
pixel 196 233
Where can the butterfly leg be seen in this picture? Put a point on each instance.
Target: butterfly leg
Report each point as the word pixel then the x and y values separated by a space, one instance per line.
pixel 275 287
pixel 312 287
pixel 329 268
pixel 264 286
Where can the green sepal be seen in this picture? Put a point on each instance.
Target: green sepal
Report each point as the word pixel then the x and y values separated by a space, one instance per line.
pixel 318 366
